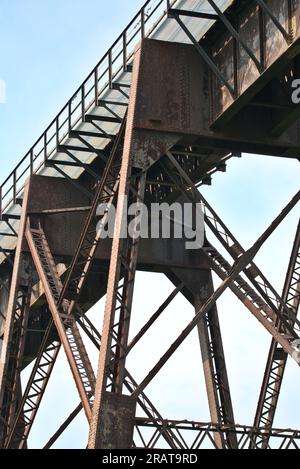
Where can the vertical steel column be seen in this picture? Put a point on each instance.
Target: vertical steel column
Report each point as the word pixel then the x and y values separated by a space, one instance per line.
pixel 124 295
pixel 117 318
pixel 214 365
pixel 200 287
pixel 14 335
pixel 117 431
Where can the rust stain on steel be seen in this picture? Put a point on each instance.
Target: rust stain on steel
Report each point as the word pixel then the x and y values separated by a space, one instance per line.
pixel 170 89
pixel 267 43
pixel 62 229
pixel 173 96
pixel 117 421
pixel 167 99
pixel 148 147
pixel 100 423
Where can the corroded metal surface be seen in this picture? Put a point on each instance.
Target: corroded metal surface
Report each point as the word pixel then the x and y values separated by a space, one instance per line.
pixel 182 124
pixel 118 419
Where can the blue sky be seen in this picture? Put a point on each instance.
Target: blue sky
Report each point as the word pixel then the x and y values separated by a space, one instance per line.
pixel 46 49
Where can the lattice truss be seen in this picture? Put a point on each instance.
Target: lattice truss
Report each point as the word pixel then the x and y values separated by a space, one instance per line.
pixel 113 388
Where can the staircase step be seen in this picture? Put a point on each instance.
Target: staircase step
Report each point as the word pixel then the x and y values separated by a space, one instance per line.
pixel 117 86
pixel 52 163
pixel 86 133
pixel 10 216
pixel 94 117
pixel 69 148
pixel 103 103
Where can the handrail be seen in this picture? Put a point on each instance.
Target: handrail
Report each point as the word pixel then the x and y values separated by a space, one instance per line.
pixel 116 58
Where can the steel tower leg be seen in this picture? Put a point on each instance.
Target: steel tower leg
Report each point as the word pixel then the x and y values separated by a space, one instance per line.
pixel 117 432
pixel 200 286
pixel 277 358
pixel 214 365
pixel 14 334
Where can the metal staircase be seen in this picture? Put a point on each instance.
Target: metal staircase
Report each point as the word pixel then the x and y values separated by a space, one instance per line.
pixel 85 126
pixel 65 323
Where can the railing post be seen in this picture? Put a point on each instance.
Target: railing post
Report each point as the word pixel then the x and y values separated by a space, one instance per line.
pixel 125 51
pixel 45 146
pixel 82 103
pixel 57 131
pixel 142 23
pixel 110 68
pixel 96 85
pixel 70 115
pixel 31 162
pixel 14 186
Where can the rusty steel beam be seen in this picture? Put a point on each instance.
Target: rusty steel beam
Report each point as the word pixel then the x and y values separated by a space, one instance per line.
pixel 204 434
pixel 119 431
pixel 236 269
pixel 63 427
pixel 277 358
pixel 265 315
pixel 91 233
pixel 214 366
pixel 153 318
pixel 198 286
pixel 265 289
pixel 127 256
pixel 65 324
pixel 14 336
pixel 143 401
pixel 35 389
pixel 75 281
pixel 118 305
pixel 234 248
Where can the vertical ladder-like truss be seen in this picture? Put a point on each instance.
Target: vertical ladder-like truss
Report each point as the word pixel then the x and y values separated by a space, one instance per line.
pixel 14 337
pixel 277 358
pixel 111 368
pixel 65 324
